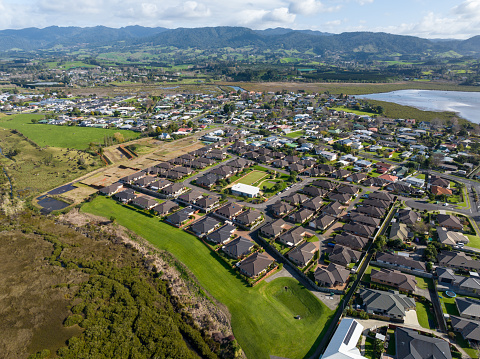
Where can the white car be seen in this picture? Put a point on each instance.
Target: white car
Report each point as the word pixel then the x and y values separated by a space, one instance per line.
pixel 445 204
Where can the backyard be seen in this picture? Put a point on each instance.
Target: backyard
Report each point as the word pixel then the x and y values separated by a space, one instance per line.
pixel 260 315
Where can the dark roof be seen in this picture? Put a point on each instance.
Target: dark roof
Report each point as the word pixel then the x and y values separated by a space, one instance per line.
pixel 207 179
pixel 303 253
pixel 350 240
pixel 371 211
pixel 449 221
pixel 191 196
pixel 383 196
pixel 222 234
pixel 400 261
pixel 340 197
pixel 256 263
pixel 328 185
pixel 208 201
pixel 332 274
pixel 412 345
pixel 248 217
pixel 230 210
pixel 314 191
pixel 344 255
pixel 348 189
pixel 360 218
pixel 238 247
pixel 179 217
pixel 323 221
pixel 165 207
pixel 281 207
pixel 273 229
pixel 376 203
pixel 469 329
pixel 295 198
pixel 334 208
pixel 359 229
pixel 301 215
pixel 314 204
pixel 205 225
pixel 173 188
pixel 408 216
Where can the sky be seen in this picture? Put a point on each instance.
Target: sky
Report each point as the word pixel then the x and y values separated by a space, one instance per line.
pixel 424 18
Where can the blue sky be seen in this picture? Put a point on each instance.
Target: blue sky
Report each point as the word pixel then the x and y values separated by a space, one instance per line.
pixel 424 18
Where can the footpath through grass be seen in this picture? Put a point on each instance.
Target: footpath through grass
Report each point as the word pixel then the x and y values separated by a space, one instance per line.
pixel 262 317
pixel 59 136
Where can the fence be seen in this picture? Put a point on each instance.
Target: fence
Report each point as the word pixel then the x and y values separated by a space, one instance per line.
pixel 409 271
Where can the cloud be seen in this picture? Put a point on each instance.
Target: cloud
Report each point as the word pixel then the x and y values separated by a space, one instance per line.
pixel 364 2
pixel 189 9
pixel 310 7
pixel 280 15
pixel 275 17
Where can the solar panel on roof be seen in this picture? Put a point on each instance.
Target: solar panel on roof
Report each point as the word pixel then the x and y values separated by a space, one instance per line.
pixel 350 333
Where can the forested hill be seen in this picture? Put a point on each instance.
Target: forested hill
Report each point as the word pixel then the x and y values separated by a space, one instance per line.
pixel 318 43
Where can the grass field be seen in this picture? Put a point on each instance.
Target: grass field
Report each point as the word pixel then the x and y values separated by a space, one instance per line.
pixel 474 241
pixel 252 177
pixel 59 136
pixel 424 315
pixel 295 134
pixel 262 317
pixel 424 283
pixel 350 110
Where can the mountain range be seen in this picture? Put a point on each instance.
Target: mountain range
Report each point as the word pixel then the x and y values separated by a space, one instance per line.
pixel 316 42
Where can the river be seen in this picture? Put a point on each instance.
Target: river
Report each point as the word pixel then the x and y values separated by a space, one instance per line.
pixel 466 104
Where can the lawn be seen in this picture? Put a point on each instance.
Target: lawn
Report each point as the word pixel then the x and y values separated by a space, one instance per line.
pixel 369 345
pixel 295 134
pixel 350 110
pixel 262 317
pixel 425 317
pixel 474 241
pixel 252 177
pixel 424 283
pixel 59 136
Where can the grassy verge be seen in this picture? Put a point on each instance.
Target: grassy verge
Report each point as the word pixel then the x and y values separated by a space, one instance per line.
pixel 474 241
pixel 260 315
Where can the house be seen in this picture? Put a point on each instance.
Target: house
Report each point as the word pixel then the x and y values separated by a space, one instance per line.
pixel 451 238
pixel 469 284
pixel 301 216
pixel 388 178
pixel 356 177
pixel 388 304
pixel 313 204
pixel 359 229
pixel 173 190
pixel 250 218
pixel 329 156
pixel 207 180
pixel 344 255
pixel 162 209
pixel 398 231
pixel 468 308
pixel 331 276
pixel 394 278
pixel 341 174
pixel 409 344
pixel 229 211
pixel 371 211
pixel 343 198
pixel 469 329
pixel 376 203
pixel 144 202
pixel 439 181
pixel 222 234
pixel 382 196
pixel 238 248
pixel 274 229
pixel 179 218
pixel 458 260
pixel 303 254
pixel 190 197
pixel 347 189
pixel 322 222
pixel 400 188
pixel 295 199
pixel 279 209
pixel 255 265
pixel 326 185
pixel 223 172
pixel 438 191
pixel 362 219
pixel 374 182
pixel 408 216
pixel 159 184
pixel 400 261
pixel 208 203
pixel 314 191
pixel 295 236
pixel 125 196
pixel 204 226
pixel 240 189
pixel 334 209
pixel 417 182
pixel 349 240
pixel 144 181
pixel 343 344
pixel 112 189
pixel 132 177
pixel 449 221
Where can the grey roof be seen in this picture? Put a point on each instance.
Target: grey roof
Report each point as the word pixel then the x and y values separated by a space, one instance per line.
pixel 249 216
pixel 238 247
pixel 303 253
pixel 294 236
pixel 350 240
pixel 469 329
pixel 273 229
pixel 398 231
pixel 334 208
pixel 222 234
pixel 281 207
pixel 230 210
pixel 179 217
pixel 394 278
pixel 204 226
pixel 331 275
pixel 314 204
pixel 359 229
pixel 449 221
pixel 191 196
pixel 323 221
pixel 400 261
pixel 314 191
pixel 391 303
pixel 376 203
pixel 458 260
pixel 295 198
pixel 328 185
pixel 340 197
pixel 301 215
pixel 383 196
pixel 360 218
pixel 468 307
pixel 344 255
pixel 412 345
pixel 371 211
pixel 255 264
pixel 165 207
pixel 408 216
pixel 348 189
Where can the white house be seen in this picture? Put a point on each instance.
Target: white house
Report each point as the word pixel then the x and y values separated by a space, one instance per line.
pixel 330 156
pixel 343 344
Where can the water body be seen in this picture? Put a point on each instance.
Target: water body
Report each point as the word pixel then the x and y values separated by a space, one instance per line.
pixel 236 88
pixel 51 204
pixel 466 104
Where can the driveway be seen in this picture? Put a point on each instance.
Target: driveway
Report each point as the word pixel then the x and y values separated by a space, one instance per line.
pixel 411 319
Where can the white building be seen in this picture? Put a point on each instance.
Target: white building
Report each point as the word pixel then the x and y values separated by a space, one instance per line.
pixel 344 341
pixel 246 190
pixel 330 156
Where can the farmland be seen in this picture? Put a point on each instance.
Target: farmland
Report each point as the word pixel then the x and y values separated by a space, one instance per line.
pixel 258 323
pixel 59 136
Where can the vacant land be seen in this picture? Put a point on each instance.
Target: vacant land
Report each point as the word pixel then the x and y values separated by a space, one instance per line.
pixel 252 177
pixel 262 317
pixel 59 136
pixel 295 134
pixel 34 171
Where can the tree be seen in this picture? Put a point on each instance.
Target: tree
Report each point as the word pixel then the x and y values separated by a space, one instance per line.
pixel 118 137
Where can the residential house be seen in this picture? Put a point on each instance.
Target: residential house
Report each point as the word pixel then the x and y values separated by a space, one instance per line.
pixel 398 231
pixel 173 190
pixel 376 203
pixel 331 276
pixel 162 209
pixel 343 344
pixel 382 196
pixel 323 221
pixel 229 211
pixel 208 180
pixel 222 234
pixel 205 226
pixel 362 219
pixel 301 216
pixel 356 177
pixel 408 216
pixel 343 198
pixel 438 191
pixel 439 181
pixel 334 209
pixel 295 236
pixel 159 184
pixel 313 204
pixel 458 260
pixel 350 190
pixel 340 174
pixel 280 209
pixel 255 264
pixel 409 344
pixel 238 247
pixel 468 284
pixel 469 329
pixel 359 229
pixel 112 189
pixel 144 202
pixel 303 254
pixel 449 221
pixel 274 229
pixel 190 197
pixel 344 255
pixel 181 217
pixel 350 240
pixel 250 218
pixel 125 196
pixel 388 178
pixel 326 185
pixel 388 304
pixel 208 203
pixel 468 308
pixel 394 278
pixel 295 199
pixel 314 191
pixel 401 262
pixel 451 238
pixel 371 211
